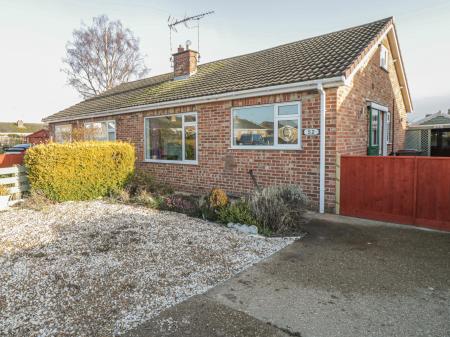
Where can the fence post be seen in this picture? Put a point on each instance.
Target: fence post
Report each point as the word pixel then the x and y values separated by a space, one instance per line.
pixel 415 190
pixel 338 184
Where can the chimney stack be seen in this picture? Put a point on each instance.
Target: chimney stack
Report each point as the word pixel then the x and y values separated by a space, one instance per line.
pixel 184 62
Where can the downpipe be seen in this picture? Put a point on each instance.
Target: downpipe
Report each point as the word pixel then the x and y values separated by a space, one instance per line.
pixel 322 148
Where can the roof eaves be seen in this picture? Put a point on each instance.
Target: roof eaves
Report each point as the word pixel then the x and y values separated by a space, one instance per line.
pixel 278 89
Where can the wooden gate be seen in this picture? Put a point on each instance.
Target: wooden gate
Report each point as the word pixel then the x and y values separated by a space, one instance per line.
pixel 407 190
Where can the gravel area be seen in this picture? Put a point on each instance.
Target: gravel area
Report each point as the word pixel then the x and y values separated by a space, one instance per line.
pixel 100 269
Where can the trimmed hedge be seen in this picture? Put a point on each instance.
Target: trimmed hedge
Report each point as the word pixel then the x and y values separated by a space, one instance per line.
pixel 80 170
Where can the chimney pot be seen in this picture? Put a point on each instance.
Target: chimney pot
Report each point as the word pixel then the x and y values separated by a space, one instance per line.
pixel 448 111
pixel 180 49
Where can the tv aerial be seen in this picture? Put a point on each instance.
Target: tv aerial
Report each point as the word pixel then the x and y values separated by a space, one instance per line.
pixel 186 21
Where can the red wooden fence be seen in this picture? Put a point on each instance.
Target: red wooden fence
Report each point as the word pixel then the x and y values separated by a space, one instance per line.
pixel 7 160
pixel 408 190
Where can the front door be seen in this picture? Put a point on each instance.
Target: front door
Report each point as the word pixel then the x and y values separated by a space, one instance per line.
pixel 379 122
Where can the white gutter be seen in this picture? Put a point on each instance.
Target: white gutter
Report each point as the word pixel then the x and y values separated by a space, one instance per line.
pixel 322 148
pixel 272 90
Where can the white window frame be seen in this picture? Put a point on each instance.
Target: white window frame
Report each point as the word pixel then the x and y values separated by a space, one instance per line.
pixel 276 118
pixel 377 138
pixel 62 126
pixel 108 131
pixel 384 58
pixel 388 129
pixel 183 146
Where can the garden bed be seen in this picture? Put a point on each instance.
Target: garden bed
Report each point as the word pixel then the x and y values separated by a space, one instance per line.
pixel 99 269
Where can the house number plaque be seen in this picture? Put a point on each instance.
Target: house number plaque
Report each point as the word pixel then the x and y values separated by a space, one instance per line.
pixel 311 132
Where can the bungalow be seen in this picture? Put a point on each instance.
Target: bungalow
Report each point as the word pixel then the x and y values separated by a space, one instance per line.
pixel 283 114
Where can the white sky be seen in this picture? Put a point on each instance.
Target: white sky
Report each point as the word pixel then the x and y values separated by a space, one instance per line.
pixel 33 35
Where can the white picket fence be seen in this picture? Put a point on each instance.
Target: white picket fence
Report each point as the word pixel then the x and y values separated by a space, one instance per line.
pixel 15 178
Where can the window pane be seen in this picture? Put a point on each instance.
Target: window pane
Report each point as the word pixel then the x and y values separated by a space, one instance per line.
pixel 99 131
pixel 112 135
pixel 189 118
pixel 111 126
pixel 288 131
pixel 190 145
pixel 287 110
pixel 374 127
pixel 164 138
pixel 63 133
pixel 253 126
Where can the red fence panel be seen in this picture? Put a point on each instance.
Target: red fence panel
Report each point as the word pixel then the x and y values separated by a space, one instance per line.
pixel 408 190
pixel 433 192
pixel 7 160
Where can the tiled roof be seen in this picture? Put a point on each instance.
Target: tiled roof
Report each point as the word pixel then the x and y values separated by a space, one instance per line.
pixel 320 57
pixel 441 119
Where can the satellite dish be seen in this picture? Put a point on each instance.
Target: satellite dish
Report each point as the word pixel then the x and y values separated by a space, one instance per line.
pixel 188 44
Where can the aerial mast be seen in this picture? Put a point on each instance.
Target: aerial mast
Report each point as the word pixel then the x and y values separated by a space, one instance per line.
pixel 173 23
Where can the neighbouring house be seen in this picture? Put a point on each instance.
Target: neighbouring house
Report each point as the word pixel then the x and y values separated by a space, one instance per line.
pixel 283 114
pixel 39 137
pixel 430 135
pixel 12 133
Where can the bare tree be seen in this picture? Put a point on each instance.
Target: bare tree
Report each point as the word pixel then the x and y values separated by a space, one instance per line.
pixel 102 56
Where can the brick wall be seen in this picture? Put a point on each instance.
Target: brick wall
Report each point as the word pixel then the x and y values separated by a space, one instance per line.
pixel 221 166
pixel 371 83
pixel 214 130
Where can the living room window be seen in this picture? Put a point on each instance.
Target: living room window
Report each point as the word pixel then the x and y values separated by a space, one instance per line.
pixel 63 133
pixel 274 126
pixel 100 131
pixel 171 138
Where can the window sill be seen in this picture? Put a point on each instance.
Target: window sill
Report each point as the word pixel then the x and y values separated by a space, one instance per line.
pixel 177 162
pixel 273 148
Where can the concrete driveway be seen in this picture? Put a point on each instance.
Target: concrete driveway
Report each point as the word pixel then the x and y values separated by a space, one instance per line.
pixel 343 279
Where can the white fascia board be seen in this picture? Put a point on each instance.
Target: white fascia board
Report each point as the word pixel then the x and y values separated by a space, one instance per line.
pixel 272 90
pixel 424 127
pixel 372 51
pixel 368 55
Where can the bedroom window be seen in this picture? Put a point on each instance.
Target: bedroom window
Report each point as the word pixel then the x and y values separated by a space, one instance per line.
pixel 63 133
pixel 100 131
pixel 171 139
pixel 384 58
pixel 275 126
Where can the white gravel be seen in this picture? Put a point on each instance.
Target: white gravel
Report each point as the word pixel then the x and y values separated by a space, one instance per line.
pixel 99 269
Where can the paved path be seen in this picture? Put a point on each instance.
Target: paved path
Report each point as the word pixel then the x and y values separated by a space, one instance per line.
pixel 341 280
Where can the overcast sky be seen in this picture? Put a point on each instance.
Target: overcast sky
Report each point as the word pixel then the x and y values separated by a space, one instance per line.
pixel 33 36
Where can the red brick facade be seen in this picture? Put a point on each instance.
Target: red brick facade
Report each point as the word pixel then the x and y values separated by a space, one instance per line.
pixel 220 166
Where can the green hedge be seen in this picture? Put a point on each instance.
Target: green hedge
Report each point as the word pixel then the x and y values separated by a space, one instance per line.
pixel 80 170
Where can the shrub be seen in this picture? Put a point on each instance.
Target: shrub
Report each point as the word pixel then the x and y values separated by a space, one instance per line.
pixel 36 200
pixel 212 203
pixel 4 190
pixel 79 170
pixel 144 181
pixel 217 198
pixel 147 199
pixel 278 208
pixel 181 203
pixel 237 212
